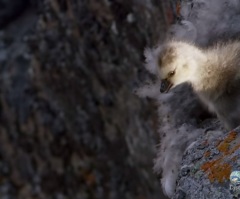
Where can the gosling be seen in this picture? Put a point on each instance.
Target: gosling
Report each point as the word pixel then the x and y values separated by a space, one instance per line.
pixel 214 74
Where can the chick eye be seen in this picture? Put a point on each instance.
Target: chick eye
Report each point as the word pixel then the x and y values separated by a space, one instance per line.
pixel 171 73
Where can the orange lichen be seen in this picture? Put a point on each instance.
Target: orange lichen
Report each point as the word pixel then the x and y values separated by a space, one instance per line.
pixel 225 144
pixel 232 136
pixel 219 170
pixel 207 153
pixel 223 147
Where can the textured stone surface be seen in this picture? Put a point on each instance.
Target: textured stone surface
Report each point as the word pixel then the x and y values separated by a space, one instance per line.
pixel 207 166
pixel 10 10
pixel 70 126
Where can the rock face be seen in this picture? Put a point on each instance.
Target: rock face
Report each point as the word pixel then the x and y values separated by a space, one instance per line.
pixel 10 10
pixel 206 167
pixel 70 126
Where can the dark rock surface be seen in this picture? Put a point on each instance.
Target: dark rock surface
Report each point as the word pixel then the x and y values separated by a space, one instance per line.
pixel 10 10
pixel 70 126
pixel 206 167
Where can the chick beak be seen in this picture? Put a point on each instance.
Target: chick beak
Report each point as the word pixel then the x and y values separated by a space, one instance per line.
pixel 165 86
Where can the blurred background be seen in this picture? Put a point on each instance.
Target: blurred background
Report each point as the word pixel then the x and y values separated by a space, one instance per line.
pixel 70 125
